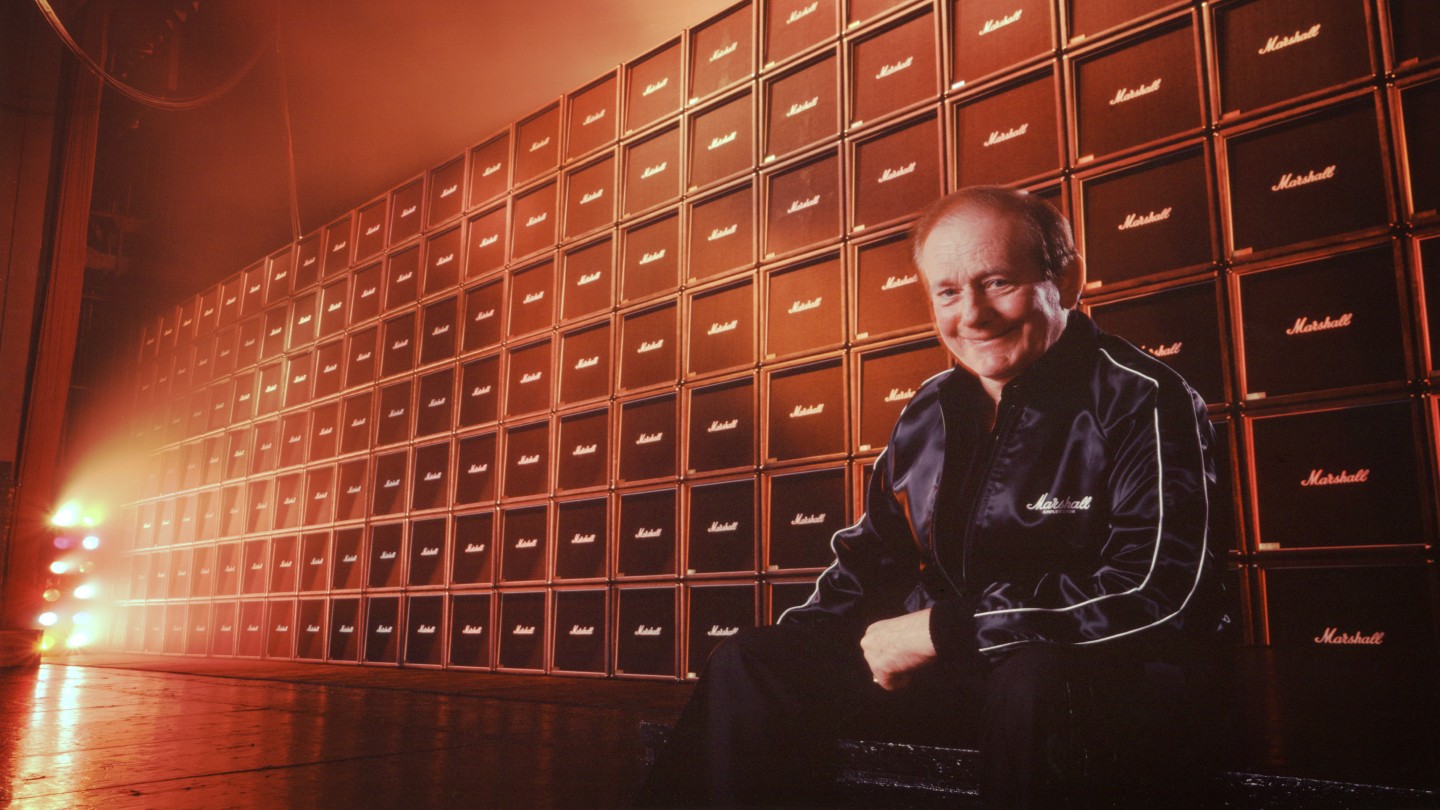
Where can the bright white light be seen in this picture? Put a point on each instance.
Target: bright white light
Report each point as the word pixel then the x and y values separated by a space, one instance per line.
pixel 59 567
pixel 91 542
pixel 81 618
pixel 67 515
pixel 77 640
pixel 49 618
pixel 86 591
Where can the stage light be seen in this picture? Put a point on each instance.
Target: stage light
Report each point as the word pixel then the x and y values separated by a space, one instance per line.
pixel 51 595
pixel 86 591
pixel 77 640
pixel 85 566
pixel 47 641
pixel 82 618
pixel 59 567
pixel 62 542
pixel 91 542
pixel 67 515
pixel 49 618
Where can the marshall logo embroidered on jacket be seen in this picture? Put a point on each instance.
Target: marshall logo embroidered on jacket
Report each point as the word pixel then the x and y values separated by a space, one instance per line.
pixel 1059 506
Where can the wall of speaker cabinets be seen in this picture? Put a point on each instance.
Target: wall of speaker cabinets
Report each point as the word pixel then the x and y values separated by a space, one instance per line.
pixel 594 394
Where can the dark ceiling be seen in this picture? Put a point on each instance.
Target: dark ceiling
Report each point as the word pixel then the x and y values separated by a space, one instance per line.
pixel 379 91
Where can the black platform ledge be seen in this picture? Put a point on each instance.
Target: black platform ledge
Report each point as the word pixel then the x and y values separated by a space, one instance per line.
pixel 923 776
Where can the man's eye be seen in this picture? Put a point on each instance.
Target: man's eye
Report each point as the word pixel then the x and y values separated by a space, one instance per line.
pixel 946 293
pixel 998 284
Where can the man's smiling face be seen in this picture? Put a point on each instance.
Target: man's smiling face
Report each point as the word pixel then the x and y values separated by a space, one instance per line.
pixel 994 308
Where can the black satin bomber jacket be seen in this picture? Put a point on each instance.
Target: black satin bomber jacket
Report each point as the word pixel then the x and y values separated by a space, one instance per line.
pixel 1088 528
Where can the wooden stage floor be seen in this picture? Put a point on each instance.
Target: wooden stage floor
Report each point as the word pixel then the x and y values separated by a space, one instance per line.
pixel 118 730
pixel 130 731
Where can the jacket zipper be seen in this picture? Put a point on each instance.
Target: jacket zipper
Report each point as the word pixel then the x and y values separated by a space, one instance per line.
pixel 993 439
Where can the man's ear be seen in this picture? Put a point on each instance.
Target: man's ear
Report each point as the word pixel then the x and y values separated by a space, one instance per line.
pixel 1071 282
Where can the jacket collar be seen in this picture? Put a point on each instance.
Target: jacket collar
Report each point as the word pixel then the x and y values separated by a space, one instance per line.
pixel 959 387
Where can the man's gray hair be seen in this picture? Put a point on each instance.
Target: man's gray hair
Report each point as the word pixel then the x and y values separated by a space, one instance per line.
pixel 1050 234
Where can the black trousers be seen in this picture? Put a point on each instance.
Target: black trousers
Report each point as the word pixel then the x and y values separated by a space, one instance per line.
pixel 1055 726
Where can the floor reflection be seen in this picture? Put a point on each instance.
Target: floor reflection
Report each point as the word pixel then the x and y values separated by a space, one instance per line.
pixel 92 736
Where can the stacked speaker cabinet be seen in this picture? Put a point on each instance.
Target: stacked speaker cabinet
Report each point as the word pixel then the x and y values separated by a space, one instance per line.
pixel 1418 106
pixel 714 613
pixel 721 140
pixel 581 622
pixel 522 630
pixel 443 196
pixel 596 392
pixel 646 631
pixel 469 644
pixel 1360 607
pixel 582 533
pixel 1008 132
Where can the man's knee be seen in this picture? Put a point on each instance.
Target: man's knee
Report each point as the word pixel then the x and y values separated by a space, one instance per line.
pixel 809 647
pixel 786 667
pixel 751 648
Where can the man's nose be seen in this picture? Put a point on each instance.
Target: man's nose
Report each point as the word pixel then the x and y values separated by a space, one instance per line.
pixel 975 311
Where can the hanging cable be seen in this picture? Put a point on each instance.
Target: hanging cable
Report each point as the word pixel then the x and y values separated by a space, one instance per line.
pixel 138 95
pixel 289 135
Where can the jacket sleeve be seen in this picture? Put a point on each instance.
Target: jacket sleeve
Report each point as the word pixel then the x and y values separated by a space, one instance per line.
pixel 875 561
pixel 1146 573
